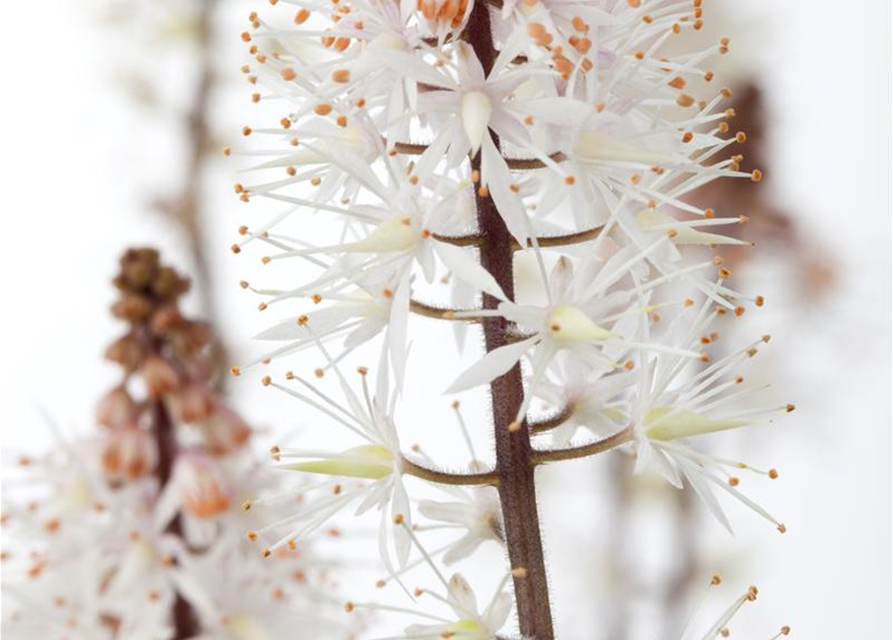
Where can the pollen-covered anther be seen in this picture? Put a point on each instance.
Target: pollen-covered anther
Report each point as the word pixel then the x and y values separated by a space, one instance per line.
pixel 519 572
pixel 789 408
pixel 362 371
pixel 752 592
pixel 319 373
pixel 629 365
pixel 782 529
pixel 266 553
pixel 756 175
pixel 685 100
pixel 399 519
pixel 514 426
pixel 733 481
pixel 246 505
pixel 262 306
pixel 252 536
pixel 773 474
pixel 739 311
pixel 266 381
pixel 235 371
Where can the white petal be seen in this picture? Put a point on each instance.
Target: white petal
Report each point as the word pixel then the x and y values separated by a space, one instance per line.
pixel 492 365
pixel 476 110
pixel 464 603
pixel 469 270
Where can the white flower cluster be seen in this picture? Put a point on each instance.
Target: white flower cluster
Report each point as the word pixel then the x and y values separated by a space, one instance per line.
pixel 87 559
pixel 422 142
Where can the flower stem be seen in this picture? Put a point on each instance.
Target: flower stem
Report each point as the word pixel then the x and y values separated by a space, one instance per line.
pixel 185 622
pixel 517 488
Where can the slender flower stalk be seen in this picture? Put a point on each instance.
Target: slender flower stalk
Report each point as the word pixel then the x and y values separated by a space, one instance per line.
pixel 435 147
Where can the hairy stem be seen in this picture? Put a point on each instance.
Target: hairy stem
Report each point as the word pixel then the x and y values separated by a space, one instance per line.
pixel 444 477
pixel 585 450
pixel 517 488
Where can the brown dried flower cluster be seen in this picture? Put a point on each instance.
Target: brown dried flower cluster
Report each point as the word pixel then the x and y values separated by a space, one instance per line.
pixel 164 360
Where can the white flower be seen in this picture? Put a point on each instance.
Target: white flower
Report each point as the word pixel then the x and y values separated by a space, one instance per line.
pixel 575 319
pixel 466 621
pixel 667 409
pixel 475 512
pixel 239 597
pixel 592 396
pixel 377 464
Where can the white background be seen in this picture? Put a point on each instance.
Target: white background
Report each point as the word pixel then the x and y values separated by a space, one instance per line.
pixel 77 158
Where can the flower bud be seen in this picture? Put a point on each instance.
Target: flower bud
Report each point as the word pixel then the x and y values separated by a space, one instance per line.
pixel 117 409
pixel 165 318
pixel 159 376
pixel 132 307
pixel 126 351
pixel 192 403
pixel 225 431
pixel 168 283
pixel 130 453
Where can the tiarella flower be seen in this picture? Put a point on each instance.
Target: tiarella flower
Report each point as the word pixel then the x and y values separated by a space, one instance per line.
pixel 199 492
pixel 236 598
pixel 576 317
pixel 670 405
pixel 129 453
pixel 585 395
pixel 416 135
pixel 380 265
pixel 466 621
pixel 476 513
pixel 377 465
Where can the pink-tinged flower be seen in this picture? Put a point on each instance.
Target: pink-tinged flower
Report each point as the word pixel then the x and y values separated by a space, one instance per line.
pixel 129 453
pixel 117 409
pixel 192 403
pixel 224 431
pixel 159 376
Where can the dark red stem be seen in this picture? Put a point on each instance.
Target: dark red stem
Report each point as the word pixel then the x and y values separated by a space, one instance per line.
pixel 517 489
